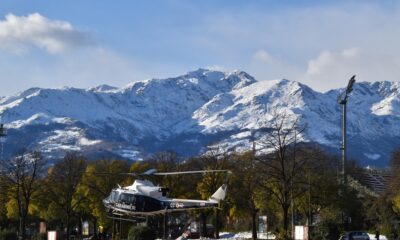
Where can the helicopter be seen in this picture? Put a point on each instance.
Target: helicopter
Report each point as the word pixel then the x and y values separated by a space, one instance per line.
pixel 143 198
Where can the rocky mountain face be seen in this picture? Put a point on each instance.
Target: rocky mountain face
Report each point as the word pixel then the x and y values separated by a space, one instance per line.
pixel 190 112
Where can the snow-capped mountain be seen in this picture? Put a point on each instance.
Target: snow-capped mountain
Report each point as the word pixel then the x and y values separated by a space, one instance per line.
pixel 192 111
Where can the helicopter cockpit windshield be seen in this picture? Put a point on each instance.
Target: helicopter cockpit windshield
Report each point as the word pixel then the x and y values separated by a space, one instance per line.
pixel 113 196
pixel 122 200
pixel 127 198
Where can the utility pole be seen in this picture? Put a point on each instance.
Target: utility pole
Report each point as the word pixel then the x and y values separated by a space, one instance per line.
pixel 342 100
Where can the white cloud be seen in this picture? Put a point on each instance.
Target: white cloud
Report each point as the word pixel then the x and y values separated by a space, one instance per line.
pixel 263 56
pixel 328 60
pixel 333 69
pixel 19 33
pixel 217 68
pixel 85 68
pixel 321 45
pixel 88 68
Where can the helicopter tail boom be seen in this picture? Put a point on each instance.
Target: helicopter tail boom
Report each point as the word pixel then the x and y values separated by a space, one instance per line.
pixel 219 195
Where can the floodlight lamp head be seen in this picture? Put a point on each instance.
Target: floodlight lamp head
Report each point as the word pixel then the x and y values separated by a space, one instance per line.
pixel 342 99
pixel 350 84
pixel 3 131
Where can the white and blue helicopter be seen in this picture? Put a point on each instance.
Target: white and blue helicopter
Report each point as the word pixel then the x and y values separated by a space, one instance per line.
pixel 143 198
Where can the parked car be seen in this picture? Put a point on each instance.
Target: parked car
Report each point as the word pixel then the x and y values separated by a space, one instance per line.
pixel 355 235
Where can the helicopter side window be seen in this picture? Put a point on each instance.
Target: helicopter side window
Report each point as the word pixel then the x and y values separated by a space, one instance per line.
pixel 114 196
pixel 127 198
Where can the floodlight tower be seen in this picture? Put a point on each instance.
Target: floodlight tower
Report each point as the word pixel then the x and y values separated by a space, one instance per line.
pixel 342 100
pixel 3 135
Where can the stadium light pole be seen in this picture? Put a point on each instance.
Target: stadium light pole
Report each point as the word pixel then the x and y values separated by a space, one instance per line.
pixel 342 100
pixel 3 135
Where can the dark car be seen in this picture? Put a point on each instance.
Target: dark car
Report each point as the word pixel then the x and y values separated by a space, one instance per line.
pixel 356 235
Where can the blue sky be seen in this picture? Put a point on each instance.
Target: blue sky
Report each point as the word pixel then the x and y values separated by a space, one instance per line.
pixel 49 43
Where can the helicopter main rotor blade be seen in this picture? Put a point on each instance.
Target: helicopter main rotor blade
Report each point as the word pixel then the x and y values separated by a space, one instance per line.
pixel 149 172
pixel 153 172
pixel 111 173
pixel 188 172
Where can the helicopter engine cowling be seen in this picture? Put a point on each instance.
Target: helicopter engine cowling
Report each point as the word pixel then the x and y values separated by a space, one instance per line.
pixel 163 191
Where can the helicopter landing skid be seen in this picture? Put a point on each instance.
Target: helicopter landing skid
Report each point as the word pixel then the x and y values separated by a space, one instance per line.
pixel 121 217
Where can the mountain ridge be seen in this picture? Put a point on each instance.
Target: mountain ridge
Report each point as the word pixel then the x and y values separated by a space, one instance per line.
pixel 187 113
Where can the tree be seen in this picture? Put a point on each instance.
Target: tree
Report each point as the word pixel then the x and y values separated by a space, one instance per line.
pixel 4 189
pixel 167 161
pixel 320 180
pixel 61 185
pixel 282 171
pixel 386 210
pixel 382 213
pixel 217 160
pixel 22 174
pixel 99 179
pixel 244 193
pixel 214 159
pixel 395 171
pixel 395 179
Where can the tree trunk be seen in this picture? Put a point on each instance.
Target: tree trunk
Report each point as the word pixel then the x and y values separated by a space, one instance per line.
pixel 286 220
pixel 68 227
pixel 254 223
pixel 22 233
pixel 285 209
pixel 165 227
pixel 80 227
pixel 216 234
pixel 22 225
pixel 203 224
pixel 95 228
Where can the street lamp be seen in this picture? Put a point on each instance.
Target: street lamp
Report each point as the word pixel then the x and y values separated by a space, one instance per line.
pixel 342 100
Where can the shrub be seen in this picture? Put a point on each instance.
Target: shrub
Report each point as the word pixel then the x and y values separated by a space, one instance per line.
pixel 7 235
pixel 326 230
pixel 40 236
pixel 141 233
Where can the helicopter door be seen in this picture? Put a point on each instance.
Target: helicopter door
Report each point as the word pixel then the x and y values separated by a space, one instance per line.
pixel 147 204
pixel 152 204
pixel 140 203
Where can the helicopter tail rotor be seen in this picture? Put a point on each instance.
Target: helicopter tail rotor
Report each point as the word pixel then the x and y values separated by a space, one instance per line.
pixel 219 195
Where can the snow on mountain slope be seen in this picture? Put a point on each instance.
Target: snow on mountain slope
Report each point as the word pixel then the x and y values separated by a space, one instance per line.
pixel 152 110
pixel 189 112
pixel 372 135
